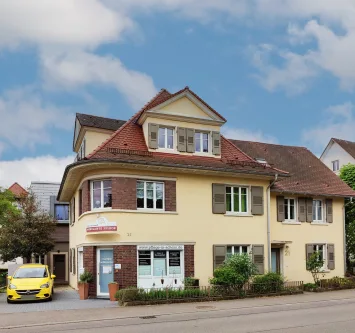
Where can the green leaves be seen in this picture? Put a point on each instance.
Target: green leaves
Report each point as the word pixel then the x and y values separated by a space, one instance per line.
pixel 315 265
pixel 347 174
pixel 8 206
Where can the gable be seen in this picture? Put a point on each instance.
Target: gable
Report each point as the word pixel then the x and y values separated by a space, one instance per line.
pixel 184 107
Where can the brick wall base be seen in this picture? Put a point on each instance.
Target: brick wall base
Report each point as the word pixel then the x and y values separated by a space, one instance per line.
pixel 189 256
pixel 89 257
pixel 126 255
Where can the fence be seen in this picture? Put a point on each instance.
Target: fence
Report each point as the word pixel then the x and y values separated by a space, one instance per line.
pixel 337 283
pixel 209 293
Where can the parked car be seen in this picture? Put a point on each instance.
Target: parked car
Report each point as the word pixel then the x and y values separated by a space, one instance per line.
pixel 30 282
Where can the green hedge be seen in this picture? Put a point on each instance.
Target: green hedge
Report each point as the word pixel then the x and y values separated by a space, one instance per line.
pixel 267 283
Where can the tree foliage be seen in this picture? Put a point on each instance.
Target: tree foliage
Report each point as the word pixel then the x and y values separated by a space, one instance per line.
pixel 315 265
pixel 7 206
pixel 26 233
pixel 347 174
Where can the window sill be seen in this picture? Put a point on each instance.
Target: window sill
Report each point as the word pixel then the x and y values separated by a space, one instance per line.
pixel 292 222
pixel 320 223
pixel 238 215
pixel 63 221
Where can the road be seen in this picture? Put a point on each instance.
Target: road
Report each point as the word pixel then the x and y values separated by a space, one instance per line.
pixel 333 312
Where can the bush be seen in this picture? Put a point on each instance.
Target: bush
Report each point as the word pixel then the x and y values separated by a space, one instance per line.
pixel 86 277
pixel 310 286
pixel 128 295
pixel 235 271
pixel 270 282
pixel 191 282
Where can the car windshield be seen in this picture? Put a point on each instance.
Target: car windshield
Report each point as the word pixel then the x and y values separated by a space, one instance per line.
pixel 31 272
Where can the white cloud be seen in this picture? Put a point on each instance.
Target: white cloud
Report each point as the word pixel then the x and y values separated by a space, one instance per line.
pixel 41 168
pixel 26 120
pixel 75 69
pixel 338 121
pixel 247 135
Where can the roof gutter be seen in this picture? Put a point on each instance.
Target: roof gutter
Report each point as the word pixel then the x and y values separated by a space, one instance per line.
pixel 269 221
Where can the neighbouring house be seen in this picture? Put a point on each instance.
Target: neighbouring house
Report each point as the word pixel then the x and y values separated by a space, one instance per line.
pixel 18 191
pixel 58 258
pixel 338 153
pixel 165 196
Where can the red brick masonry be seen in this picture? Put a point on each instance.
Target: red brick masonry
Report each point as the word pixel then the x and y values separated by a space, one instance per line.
pixel 124 193
pixel 170 195
pixel 189 255
pixel 86 201
pixel 126 255
pixel 90 266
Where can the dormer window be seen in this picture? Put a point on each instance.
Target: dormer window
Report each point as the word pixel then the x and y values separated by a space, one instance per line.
pixel 166 138
pixel 201 142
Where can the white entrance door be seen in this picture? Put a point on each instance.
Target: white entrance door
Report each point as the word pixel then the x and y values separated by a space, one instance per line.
pixel 104 270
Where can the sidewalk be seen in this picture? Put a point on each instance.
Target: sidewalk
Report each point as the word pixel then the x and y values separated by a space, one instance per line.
pixel 245 305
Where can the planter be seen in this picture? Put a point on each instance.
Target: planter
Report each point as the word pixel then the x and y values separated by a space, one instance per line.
pixel 83 291
pixel 112 289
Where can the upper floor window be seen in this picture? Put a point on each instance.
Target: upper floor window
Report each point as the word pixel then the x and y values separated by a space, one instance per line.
pixel 335 165
pixel 101 194
pixel 81 152
pixel 237 199
pixel 150 195
pixel 61 212
pixel 201 142
pixel 318 210
pixel 166 138
pixel 290 209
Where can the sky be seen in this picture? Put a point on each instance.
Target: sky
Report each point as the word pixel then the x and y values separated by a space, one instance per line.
pixel 280 71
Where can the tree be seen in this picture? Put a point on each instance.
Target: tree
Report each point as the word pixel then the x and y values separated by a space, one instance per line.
pixel 7 206
pixel 27 233
pixel 347 174
pixel 315 265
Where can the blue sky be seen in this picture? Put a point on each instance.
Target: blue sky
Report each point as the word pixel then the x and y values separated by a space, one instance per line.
pixel 280 71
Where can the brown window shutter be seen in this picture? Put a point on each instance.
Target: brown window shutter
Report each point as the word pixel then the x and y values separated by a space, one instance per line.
pixel 74 261
pixel 331 256
pixel 258 258
pixel 309 204
pixel 216 143
pixel 329 207
pixel 280 209
pixel 218 198
pixel 302 209
pixel 153 130
pixel 70 261
pixel 181 134
pixel 309 251
pixel 219 255
pixel 190 137
pixel 257 200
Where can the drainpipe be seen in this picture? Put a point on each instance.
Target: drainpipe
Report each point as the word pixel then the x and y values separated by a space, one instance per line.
pixel 269 222
pixel 344 235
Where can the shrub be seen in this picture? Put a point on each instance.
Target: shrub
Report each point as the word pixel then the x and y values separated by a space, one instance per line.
pixel 86 277
pixel 191 282
pixel 310 286
pixel 270 282
pixel 315 265
pixel 128 295
pixel 236 271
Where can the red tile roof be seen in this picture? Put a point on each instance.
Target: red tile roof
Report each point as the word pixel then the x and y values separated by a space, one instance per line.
pixel 17 190
pixel 308 175
pixel 348 146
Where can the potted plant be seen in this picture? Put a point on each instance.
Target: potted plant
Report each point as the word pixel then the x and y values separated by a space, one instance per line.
pixel 84 281
pixel 112 289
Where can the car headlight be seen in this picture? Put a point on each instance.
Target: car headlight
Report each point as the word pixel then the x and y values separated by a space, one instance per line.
pixel 46 285
pixel 12 286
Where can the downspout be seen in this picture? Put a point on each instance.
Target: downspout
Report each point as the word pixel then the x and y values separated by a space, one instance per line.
pixel 344 235
pixel 269 222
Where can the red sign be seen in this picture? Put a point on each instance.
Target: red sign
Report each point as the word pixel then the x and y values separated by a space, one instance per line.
pixel 101 228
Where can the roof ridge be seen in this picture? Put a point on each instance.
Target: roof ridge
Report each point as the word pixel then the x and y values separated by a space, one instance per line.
pixel 92 115
pixel 272 144
pixel 336 139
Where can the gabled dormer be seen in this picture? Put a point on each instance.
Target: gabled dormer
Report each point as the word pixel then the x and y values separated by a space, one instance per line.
pixel 183 124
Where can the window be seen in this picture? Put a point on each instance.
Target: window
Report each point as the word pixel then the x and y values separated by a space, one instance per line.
pixel 101 194
pixel 201 142
pixel 150 195
pixel 80 262
pixel 321 249
pixel 237 199
pixel 166 138
pixel 290 209
pixel 81 152
pixel 61 212
pixel 72 210
pixel 237 249
pixel 39 260
pixel 318 210
pixel 159 263
pixel 335 165
pixel 80 202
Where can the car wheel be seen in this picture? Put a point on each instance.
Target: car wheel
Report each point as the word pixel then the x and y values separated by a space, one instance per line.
pixel 8 301
pixel 50 299
pixel 52 291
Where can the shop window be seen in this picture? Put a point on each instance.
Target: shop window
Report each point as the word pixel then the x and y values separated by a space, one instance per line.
pixel 144 263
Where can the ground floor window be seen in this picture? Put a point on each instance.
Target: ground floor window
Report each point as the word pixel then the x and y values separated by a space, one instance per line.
pixel 39 259
pixel 237 249
pixel 80 262
pixel 321 249
pixel 159 263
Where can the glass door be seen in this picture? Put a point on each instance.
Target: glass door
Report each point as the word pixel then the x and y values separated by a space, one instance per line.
pixel 105 270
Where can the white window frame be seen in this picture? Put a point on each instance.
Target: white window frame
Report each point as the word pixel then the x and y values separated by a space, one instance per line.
pixel 165 128
pixel 102 193
pixel 289 209
pixel 240 199
pixel 325 254
pixel 80 267
pixel 337 164
pixel 240 251
pixel 81 153
pixel 62 204
pixel 317 220
pixel 154 195
pixel 201 142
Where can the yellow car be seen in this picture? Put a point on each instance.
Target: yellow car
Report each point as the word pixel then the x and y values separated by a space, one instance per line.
pixel 30 282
